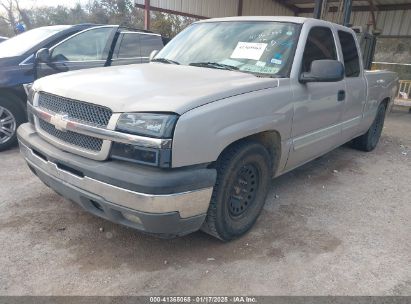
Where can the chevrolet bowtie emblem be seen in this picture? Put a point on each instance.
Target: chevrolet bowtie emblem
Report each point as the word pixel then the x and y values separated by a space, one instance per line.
pixel 59 121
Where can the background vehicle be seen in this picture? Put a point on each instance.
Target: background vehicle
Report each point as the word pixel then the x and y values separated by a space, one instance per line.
pixel 3 38
pixel 192 140
pixel 54 49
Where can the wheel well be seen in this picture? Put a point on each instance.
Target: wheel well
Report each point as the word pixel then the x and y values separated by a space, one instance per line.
pixel 16 94
pixel 386 101
pixel 271 140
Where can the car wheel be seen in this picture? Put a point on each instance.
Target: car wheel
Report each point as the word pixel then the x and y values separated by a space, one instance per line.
pixel 243 180
pixel 11 116
pixel 369 140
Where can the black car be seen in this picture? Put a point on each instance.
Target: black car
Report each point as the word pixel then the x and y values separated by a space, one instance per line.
pixel 54 49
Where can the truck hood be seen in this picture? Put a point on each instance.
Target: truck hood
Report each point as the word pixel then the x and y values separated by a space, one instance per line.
pixel 154 87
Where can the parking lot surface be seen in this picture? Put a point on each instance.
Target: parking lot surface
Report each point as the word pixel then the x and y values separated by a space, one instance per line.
pixel 339 225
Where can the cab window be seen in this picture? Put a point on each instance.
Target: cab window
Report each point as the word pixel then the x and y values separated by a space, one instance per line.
pixel 320 45
pixel 350 54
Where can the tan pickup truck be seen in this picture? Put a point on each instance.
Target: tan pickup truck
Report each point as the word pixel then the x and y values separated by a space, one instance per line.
pixel 193 139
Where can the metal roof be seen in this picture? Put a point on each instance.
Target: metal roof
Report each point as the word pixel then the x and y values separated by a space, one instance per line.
pixel 392 17
pixel 307 6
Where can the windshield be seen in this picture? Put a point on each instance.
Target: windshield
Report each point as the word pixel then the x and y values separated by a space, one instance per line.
pixel 261 48
pixel 20 44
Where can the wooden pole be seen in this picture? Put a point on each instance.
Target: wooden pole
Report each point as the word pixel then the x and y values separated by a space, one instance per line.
pixel 240 8
pixel 147 15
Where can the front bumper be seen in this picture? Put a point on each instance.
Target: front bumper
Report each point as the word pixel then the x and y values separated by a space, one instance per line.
pixel 166 202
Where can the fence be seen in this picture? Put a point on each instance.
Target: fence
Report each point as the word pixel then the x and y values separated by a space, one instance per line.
pixel 404 93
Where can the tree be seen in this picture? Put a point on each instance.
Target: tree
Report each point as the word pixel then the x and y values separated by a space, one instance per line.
pixel 120 12
pixel 169 25
pixel 11 14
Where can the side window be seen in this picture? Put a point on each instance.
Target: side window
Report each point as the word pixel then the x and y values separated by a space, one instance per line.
pixel 320 45
pixel 91 45
pixel 130 46
pixel 350 53
pixel 150 43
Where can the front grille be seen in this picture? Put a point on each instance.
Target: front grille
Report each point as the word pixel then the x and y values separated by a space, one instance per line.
pixel 78 110
pixel 75 139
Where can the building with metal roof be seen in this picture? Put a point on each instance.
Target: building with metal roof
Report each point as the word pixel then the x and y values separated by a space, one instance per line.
pixel 390 17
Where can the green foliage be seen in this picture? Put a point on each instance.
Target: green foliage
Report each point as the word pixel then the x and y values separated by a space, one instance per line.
pixel 169 25
pixel 120 12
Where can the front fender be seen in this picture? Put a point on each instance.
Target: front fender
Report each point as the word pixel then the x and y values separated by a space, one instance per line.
pixel 201 134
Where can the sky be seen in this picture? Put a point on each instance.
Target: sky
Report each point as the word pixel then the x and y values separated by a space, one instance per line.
pixel 33 3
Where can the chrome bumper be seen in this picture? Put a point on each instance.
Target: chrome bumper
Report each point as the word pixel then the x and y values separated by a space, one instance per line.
pixel 187 204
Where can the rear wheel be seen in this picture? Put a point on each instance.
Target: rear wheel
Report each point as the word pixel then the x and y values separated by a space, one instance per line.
pixel 11 116
pixel 369 140
pixel 243 180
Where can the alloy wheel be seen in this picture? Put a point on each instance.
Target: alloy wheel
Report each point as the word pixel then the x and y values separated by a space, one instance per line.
pixel 7 125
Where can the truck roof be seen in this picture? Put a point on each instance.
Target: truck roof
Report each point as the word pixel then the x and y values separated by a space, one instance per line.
pixel 258 18
pixel 290 19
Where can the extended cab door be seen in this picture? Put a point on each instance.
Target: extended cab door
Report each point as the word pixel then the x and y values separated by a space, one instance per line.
pixel 318 106
pixel 87 49
pixel 356 87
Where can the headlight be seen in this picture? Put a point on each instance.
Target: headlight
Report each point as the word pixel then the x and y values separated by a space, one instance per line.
pixel 148 124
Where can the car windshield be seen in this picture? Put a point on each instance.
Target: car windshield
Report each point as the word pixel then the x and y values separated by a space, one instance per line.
pixel 260 48
pixel 20 44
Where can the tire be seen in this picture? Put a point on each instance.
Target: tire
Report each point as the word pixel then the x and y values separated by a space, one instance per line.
pixel 243 179
pixel 369 140
pixel 11 117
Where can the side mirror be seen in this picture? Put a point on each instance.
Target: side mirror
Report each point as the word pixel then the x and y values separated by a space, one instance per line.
pixel 153 54
pixel 43 55
pixel 323 71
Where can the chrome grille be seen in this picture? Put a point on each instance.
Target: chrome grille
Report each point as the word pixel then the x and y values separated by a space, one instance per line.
pixel 78 110
pixel 76 139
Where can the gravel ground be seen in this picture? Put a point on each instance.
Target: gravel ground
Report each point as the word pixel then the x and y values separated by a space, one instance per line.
pixel 339 225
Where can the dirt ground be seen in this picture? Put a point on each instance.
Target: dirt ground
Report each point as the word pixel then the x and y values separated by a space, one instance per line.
pixel 339 225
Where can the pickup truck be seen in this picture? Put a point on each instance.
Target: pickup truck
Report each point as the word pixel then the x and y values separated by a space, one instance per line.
pixel 53 49
pixel 193 139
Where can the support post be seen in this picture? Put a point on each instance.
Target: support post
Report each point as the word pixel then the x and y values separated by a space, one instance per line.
pixel 372 14
pixel 317 9
pixel 347 12
pixel 147 15
pixel 240 8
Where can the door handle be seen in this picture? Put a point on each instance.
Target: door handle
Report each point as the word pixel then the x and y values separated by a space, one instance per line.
pixel 341 95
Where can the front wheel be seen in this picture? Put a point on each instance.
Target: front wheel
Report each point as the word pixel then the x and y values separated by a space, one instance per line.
pixel 243 180
pixel 11 116
pixel 369 140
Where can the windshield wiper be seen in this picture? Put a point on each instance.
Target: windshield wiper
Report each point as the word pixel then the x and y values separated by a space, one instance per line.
pixel 262 75
pixel 165 60
pixel 214 65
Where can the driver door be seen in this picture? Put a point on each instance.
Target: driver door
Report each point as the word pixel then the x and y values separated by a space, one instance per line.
pixel 87 49
pixel 319 105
